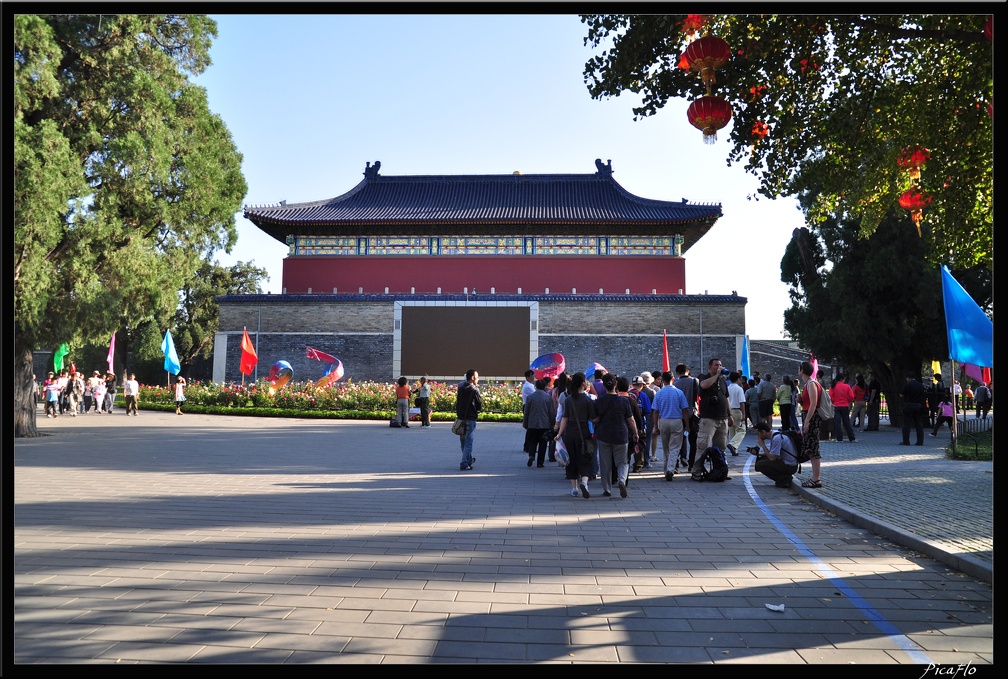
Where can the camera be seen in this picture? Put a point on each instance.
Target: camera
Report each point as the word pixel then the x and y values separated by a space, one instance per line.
pixel 753 450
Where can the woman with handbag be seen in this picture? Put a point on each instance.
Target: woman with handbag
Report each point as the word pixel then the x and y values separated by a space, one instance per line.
pixel 580 409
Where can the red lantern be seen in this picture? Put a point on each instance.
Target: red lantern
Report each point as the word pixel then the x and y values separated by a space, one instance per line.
pixel 915 201
pixel 709 114
pixel 706 55
pixel 912 159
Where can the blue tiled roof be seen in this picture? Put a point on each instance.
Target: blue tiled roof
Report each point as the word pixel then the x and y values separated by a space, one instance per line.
pixel 474 204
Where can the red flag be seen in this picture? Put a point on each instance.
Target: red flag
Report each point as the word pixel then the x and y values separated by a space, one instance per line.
pixel 248 357
pixel 665 361
pixel 320 355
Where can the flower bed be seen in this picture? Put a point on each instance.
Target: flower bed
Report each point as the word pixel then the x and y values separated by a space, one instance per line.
pixel 346 400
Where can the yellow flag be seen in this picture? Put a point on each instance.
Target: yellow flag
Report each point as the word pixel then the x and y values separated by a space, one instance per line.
pixel 936 367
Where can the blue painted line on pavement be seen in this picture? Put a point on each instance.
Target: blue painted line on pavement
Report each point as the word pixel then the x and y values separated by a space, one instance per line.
pixel 915 652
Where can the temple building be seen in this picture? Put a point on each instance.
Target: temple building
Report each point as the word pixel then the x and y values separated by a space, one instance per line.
pixel 435 274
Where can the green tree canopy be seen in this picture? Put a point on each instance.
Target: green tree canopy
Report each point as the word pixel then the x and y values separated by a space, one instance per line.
pixel 124 179
pixel 198 316
pixel 840 97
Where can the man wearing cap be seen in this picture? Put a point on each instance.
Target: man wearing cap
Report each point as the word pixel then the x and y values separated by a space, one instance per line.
pixel 652 431
pixel 644 402
pixel 110 390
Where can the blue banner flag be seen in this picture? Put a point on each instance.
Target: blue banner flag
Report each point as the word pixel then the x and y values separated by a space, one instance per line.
pixel 744 360
pixel 171 362
pixel 970 330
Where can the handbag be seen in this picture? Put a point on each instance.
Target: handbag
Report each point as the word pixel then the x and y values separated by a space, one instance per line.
pixel 459 427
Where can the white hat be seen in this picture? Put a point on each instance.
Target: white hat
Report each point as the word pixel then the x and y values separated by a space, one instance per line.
pixel 647 377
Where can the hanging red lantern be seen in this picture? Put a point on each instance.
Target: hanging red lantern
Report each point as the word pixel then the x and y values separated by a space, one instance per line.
pixel 912 159
pixel 915 201
pixel 989 28
pixel 709 114
pixel 706 55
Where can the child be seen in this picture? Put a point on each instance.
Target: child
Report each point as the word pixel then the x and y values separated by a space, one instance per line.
pixel 179 395
pixel 947 415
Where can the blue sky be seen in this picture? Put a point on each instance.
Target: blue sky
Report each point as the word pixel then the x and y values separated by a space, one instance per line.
pixel 310 99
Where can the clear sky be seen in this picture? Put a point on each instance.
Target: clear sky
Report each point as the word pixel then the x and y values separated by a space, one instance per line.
pixel 310 99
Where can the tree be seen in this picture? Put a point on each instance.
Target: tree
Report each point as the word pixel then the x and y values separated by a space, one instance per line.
pixel 880 302
pixel 197 317
pixel 829 103
pixel 124 180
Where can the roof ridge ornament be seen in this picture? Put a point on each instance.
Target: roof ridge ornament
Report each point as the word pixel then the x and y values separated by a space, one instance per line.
pixel 604 170
pixel 372 172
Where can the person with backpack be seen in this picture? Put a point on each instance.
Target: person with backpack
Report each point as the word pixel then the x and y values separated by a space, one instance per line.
pixel 780 460
pixel 813 398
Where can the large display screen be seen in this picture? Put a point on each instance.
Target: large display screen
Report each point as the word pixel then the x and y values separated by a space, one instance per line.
pixel 446 341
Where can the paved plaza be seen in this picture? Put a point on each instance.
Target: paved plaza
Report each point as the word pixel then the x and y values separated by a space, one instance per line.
pixel 225 539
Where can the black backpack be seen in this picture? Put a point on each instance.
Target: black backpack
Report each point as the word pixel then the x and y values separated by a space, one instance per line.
pixel 711 466
pixel 801 454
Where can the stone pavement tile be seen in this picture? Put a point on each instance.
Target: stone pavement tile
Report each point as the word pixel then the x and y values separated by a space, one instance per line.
pixel 362 629
pixel 151 652
pixel 527 635
pixel 293 641
pixel 308 657
pixel 328 615
pixel 686 653
pixel 211 654
pixel 485 652
pixel 390 648
pixel 406 618
pixel 195 621
pixel 66 649
pixel 447 633
pixel 832 656
pixel 274 626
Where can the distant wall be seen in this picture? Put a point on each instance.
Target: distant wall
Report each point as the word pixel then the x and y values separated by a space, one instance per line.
pixel 623 333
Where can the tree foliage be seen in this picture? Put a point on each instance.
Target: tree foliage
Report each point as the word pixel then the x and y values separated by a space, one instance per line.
pixel 198 315
pixel 841 97
pixel 124 179
pixel 880 302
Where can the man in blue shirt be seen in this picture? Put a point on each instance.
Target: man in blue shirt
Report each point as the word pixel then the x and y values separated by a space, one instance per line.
pixel 670 413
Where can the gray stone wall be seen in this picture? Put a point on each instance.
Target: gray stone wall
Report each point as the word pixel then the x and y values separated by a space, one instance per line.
pixel 625 336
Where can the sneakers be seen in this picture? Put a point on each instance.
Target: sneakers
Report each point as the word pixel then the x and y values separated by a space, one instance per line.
pixel 606 493
pixel 669 476
pixel 734 451
pixel 584 490
pixel 574 492
pixel 622 488
pixel 529 461
pixel 932 434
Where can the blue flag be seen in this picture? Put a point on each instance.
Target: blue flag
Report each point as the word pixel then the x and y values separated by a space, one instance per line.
pixel 744 361
pixel 171 362
pixel 970 330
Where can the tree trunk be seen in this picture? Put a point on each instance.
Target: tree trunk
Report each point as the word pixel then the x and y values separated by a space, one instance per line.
pixel 24 394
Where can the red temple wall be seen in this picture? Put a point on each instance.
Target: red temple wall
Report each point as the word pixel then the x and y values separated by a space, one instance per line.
pixel 400 274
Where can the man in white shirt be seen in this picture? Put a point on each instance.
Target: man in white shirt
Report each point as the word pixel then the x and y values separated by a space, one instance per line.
pixel 528 388
pixel 131 389
pixel 736 403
